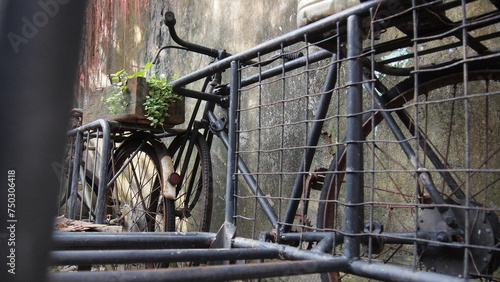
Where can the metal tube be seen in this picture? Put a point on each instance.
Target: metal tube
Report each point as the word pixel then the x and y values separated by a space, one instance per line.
pixel 89 257
pixel 288 66
pixel 103 172
pixel 231 149
pixel 310 236
pixel 170 22
pixel 209 273
pixel 327 244
pixel 132 240
pixel 386 272
pixel 74 176
pixel 312 141
pixel 354 160
pixel 89 126
pixel 287 252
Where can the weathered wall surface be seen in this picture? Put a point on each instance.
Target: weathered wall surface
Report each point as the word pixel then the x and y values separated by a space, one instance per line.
pixel 127 34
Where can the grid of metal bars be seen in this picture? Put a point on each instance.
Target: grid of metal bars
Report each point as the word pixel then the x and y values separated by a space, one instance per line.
pixel 393 175
pixel 380 161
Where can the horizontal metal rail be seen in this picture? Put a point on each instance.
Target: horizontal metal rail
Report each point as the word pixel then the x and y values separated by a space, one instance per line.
pixel 209 273
pixel 132 240
pixel 288 66
pixel 89 257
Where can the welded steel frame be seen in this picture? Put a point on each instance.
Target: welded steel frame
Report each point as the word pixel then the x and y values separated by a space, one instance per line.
pixel 75 248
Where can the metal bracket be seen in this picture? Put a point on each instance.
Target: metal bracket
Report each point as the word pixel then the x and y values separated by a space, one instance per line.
pixel 223 240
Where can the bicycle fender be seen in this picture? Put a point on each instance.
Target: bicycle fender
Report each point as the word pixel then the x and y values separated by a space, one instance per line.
pixel 167 168
pixel 168 190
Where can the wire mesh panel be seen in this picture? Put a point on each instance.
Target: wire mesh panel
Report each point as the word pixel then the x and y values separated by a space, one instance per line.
pixel 276 116
pixel 427 145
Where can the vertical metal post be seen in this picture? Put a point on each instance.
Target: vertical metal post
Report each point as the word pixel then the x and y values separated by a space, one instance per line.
pixel 250 180
pixel 354 162
pixel 231 149
pixel 75 173
pixel 227 231
pixel 103 172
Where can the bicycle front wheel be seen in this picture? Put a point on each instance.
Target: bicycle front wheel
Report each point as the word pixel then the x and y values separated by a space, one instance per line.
pixel 135 200
pixel 193 205
pixel 453 127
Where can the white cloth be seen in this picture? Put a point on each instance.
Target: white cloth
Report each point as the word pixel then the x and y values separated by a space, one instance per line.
pixel 309 11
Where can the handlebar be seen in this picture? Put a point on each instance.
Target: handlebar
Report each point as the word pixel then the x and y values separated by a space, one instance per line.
pixel 170 22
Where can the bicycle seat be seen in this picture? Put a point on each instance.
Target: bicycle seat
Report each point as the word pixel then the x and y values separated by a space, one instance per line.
pixel 309 11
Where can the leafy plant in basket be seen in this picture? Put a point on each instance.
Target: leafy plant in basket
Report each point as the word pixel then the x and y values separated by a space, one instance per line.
pixel 158 100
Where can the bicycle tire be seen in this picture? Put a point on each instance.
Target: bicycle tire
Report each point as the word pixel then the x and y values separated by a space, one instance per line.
pixel 399 97
pixel 194 202
pixel 135 199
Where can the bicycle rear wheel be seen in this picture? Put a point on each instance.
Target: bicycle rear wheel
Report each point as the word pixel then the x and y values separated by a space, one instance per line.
pixel 193 205
pixel 135 200
pixel 454 129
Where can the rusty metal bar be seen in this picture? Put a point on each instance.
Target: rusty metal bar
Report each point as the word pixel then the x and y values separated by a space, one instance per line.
pixel 288 252
pixel 105 156
pixel 232 141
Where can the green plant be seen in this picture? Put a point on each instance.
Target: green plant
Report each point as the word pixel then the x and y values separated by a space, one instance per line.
pixel 158 100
